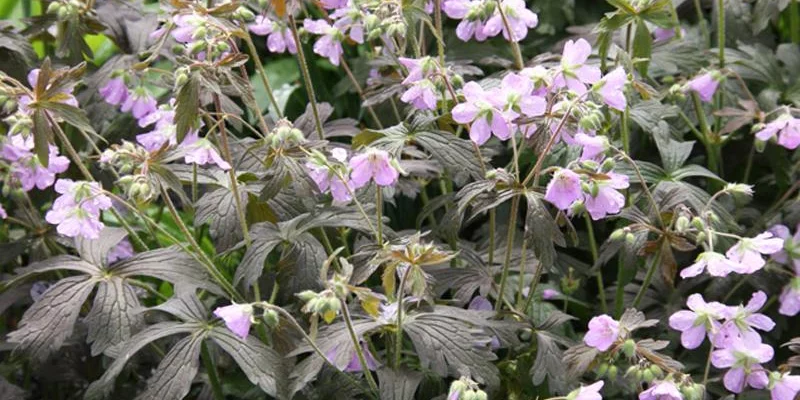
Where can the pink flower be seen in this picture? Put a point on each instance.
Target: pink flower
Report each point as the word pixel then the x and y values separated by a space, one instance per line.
pixel 515 92
pixel 790 298
pixel 788 254
pixel 472 14
pixel 121 251
pixel 421 95
pixel 332 4
pixel 742 322
pixel 77 211
pixel 608 200
pixel 574 73
pixel 115 91
pixel 663 34
pixel 717 265
pixel 25 165
pixel 603 332
pixel 693 325
pixel 783 386
pixel 519 19
pixel 373 164
pixel 550 294
pixel 328 180
pixel 329 45
pixel 612 89
pixel 237 318
pixel 663 390
pixel 261 26
pixel 591 392
pixel 3 213
pixel 140 103
pixel 564 189
pixel 705 85
pixel 749 250
pixel 484 112
pixel 744 359
pixel 593 146
pixel 164 132
pixel 33 80
pixel 786 128
pixel 201 152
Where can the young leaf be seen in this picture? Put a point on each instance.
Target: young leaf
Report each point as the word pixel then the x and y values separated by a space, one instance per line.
pixel 186 106
pixel 642 46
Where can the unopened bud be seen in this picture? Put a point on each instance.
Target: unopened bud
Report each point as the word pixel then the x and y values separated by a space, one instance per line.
pixel 618 234
pixel 682 223
pixel 698 224
pixel 612 372
pixel 629 348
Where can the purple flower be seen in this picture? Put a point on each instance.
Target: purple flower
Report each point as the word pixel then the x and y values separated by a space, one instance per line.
pixel 783 386
pixel 348 20
pixel 329 45
pixel 608 199
pixel 373 164
pixel 705 85
pixel 164 131
pixel 612 89
pixel 332 4
pixel 480 303
pixel 591 392
pixel 603 332
pixel 744 359
pixel 663 390
pixel 663 34
pixel 185 27
pixel 77 210
pixel 593 146
pixel 787 255
pixel 742 322
pixel 519 19
pixel 33 80
pixel 422 95
pixel 201 152
pixel 25 165
pixel 471 14
pixel 355 364
pixel 279 36
pixel 326 178
pixel 515 91
pixel 121 251
pixel 261 26
pixel 564 189
pixel 790 298
pixel 695 324
pixel 749 250
pixel 115 91
pixel 550 294
pixel 786 128
pixel 485 113
pixel 237 318
pixel 3 213
pixel 140 103
pixel 717 265
pixel 574 73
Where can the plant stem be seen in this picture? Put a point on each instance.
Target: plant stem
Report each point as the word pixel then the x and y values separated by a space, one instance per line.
pixel 211 370
pixel 512 229
pixel 708 364
pixel 306 77
pixel 721 32
pixel 675 20
pixel 263 75
pixel 599 276
pixel 437 19
pixel 520 64
pixel 794 21
pixel 360 92
pixel 398 336
pixel 625 129
pixel 521 281
pixel 648 278
pixel 619 299
pixel 379 212
pixel 711 152
pixel 226 150
pixel 357 345
pixel 701 20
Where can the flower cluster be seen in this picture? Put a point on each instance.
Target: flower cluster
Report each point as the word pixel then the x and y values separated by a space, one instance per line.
pixel 422 75
pixel 77 211
pixel 789 255
pixel 279 36
pixel 785 129
pixel 341 177
pixel 597 191
pixel 25 167
pixel 745 257
pixel 482 18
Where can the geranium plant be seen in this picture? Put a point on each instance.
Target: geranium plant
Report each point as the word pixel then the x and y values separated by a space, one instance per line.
pixel 400 199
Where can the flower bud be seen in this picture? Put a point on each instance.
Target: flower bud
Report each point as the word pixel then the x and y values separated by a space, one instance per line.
pixel 612 372
pixel 602 370
pixel 589 164
pixel 698 224
pixel 681 224
pixel 618 234
pixel 630 238
pixel 245 14
pixel 457 81
pixel 271 318
pixel 647 376
pixel 656 371
pixel 629 348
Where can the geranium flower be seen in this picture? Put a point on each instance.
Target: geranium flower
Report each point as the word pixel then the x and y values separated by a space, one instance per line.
pixel 663 390
pixel 115 91
pixel 575 74
pixel 201 152
pixel 140 103
pixel 603 332
pixel 564 189
pixel 701 320
pixel 749 250
pixel 717 265
pixel 77 211
pixel 611 89
pixel 519 19
pixel 484 112
pixel 329 45
pixel 373 164
pixel 744 358
pixel 705 85
pixel 783 386
pixel 237 318
pixel 608 200
pixel 742 321
pixel 591 392
pixel 790 298
pixel 786 128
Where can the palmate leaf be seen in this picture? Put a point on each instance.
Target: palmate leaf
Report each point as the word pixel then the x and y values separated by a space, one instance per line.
pixel 218 209
pixel 260 363
pixel 398 384
pixel 455 154
pixel 170 264
pixel 49 322
pixel 464 281
pixel 542 231
pixel 451 347
pixel 173 377
pixel 114 316
pixel 548 362
pixel 265 236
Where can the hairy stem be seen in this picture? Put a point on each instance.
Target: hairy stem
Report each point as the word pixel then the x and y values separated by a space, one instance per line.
pixel 398 336
pixel 306 78
pixel 357 345
pixel 512 229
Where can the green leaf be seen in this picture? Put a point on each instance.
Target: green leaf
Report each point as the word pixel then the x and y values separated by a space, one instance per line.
pixel 170 264
pixel 186 106
pixel 400 384
pixel 218 210
pixel 49 322
pixel 548 363
pixel 542 231
pixel 95 251
pixel 765 11
pixel 455 154
pixel 642 46
pixel 673 153
pixel 42 135
pixel 72 115
pixel 265 236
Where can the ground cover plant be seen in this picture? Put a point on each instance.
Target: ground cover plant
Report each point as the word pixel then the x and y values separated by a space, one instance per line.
pixel 400 199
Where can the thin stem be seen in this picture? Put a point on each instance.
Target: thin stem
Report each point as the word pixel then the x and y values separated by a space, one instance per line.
pixel 211 370
pixel 263 75
pixel 520 64
pixel 675 20
pixel 379 212
pixel 512 229
pixel 708 364
pixel 651 199
pixel 306 78
pixel 359 351
pixel 226 151
pixel 619 299
pixel 521 281
pixel 537 276
pixel 437 19
pixel 701 19
pixel 599 276
pixel 398 336
pixel 794 21
pixel 654 263
pixel 749 165
pixel 721 32
pixel 701 120
pixel 625 129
